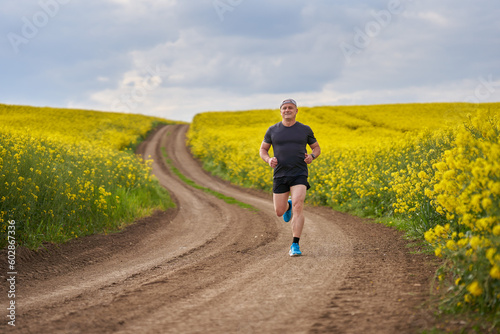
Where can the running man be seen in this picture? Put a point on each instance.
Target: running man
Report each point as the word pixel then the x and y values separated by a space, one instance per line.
pixel 289 140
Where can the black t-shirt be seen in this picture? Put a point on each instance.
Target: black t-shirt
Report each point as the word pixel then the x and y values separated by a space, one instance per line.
pixel 289 146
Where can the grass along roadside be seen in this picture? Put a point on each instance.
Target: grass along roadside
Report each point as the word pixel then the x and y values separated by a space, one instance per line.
pixel 227 199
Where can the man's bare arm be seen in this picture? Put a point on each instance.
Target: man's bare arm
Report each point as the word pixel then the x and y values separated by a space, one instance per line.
pixel 264 154
pixel 316 150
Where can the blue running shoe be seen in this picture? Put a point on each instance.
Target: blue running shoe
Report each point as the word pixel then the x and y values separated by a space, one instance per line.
pixel 295 250
pixel 287 216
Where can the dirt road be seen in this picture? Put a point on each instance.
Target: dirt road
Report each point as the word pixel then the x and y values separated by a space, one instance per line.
pixel 212 267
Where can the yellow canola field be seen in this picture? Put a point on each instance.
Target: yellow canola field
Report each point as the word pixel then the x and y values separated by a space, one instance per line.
pixel 435 166
pixel 66 173
pixel 106 129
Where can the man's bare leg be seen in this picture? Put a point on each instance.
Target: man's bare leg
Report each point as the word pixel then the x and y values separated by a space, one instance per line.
pixel 280 203
pixel 298 198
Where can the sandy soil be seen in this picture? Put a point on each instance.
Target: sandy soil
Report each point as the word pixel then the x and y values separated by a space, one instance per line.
pixel 212 267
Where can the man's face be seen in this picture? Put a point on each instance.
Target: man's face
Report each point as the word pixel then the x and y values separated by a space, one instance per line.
pixel 288 111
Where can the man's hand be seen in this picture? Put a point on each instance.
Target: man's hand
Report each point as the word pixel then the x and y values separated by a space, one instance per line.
pixel 273 162
pixel 308 159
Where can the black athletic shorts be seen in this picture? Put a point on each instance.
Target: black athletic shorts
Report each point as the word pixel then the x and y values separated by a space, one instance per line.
pixel 282 184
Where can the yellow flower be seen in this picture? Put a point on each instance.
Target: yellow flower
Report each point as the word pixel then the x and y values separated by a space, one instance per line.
pixel 486 203
pixel 475 289
pixel 437 252
pixel 439 230
pixel 451 245
pixel 490 253
pixel 441 166
pixel 430 236
pixel 495 272
pixel 422 175
pixel 475 242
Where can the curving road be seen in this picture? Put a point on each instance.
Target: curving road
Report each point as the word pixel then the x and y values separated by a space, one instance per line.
pixel 212 267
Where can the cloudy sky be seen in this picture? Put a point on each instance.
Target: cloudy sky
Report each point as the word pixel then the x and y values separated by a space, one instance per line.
pixel 173 58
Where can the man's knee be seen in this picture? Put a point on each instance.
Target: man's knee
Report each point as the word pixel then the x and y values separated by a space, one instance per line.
pixel 297 207
pixel 281 211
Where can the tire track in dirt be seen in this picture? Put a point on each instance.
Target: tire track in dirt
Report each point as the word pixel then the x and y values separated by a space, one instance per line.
pixel 214 267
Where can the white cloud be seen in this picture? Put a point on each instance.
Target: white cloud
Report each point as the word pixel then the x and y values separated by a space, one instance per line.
pixel 183 103
pixel 434 18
